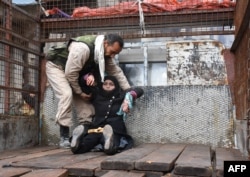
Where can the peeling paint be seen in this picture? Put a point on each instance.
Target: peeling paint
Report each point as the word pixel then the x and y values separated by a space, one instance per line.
pixel 196 63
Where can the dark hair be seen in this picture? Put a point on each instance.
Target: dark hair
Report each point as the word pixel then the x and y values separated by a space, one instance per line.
pixel 112 38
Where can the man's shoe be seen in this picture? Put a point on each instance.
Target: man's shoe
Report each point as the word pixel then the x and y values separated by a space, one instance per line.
pixel 64 143
pixel 108 139
pixel 77 133
pixel 64 134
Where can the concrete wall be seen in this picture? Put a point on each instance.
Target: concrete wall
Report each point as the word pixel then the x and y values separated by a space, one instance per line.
pixel 18 132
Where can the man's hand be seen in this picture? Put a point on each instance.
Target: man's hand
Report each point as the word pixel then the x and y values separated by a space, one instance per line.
pixel 85 96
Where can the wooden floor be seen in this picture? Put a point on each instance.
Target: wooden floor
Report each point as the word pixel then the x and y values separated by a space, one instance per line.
pixel 146 160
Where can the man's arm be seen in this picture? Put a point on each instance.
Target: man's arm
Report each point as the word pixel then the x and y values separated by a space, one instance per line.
pixel 78 55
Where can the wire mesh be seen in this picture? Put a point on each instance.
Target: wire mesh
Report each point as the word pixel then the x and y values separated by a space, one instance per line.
pixel 183 114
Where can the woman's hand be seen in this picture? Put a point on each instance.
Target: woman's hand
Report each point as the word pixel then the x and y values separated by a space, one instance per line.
pixel 125 106
pixel 90 81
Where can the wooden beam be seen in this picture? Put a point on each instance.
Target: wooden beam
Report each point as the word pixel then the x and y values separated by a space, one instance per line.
pixel 243 26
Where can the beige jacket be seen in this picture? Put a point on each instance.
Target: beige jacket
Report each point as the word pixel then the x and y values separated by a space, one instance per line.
pixel 78 56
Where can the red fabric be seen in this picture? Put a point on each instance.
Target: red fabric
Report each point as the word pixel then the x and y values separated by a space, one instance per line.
pixel 52 11
pixel 151 6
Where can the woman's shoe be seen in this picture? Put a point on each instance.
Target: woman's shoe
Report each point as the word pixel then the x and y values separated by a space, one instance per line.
pixel 77 133
pixel 108 139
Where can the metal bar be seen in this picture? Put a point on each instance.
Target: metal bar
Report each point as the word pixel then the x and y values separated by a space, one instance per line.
pixel 19 36
pixel 133 21
pixel 8 25
pixel 145 55
pixel 16 89
pixel 19 63
pixel 169 34
pixel 20 47
pixel 248 98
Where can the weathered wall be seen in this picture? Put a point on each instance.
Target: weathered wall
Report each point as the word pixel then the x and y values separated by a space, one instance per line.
pixel 197 62
pixel 18 133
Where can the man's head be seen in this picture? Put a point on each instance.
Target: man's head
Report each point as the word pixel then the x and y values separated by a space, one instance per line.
pixel 113 44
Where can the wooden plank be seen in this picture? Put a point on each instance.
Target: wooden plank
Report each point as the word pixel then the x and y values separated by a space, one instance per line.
pixel 86 168
pixel 173 175
pixel 11 172
pixel 114 173
pixel 226 154
pixel 162 159
pixel 126 160
pixel 47 173
pixel 24 151
pixel 62 159
pixel 99 172
pixel 149 173
pixel 11 161
pixel 195 160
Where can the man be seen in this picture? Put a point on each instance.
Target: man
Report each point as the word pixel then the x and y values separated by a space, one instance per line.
pixel 87 54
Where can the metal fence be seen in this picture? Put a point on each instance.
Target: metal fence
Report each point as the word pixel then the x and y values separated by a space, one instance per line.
pixel 19 61
pixel 136 18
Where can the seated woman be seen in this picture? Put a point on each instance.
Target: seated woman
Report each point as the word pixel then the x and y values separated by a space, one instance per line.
pixel 108 128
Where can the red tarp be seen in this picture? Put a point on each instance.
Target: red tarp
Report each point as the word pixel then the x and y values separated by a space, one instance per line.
pixel 151 6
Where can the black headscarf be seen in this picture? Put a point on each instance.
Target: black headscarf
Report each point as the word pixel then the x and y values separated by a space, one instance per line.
pixel 115 92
